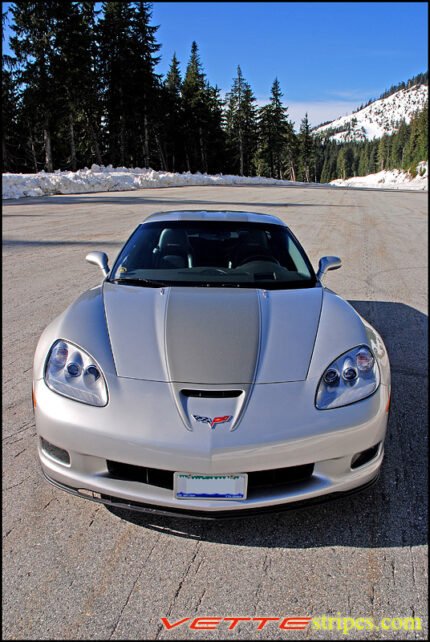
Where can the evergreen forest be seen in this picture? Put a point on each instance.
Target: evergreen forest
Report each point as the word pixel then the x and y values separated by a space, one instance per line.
pixel 81 87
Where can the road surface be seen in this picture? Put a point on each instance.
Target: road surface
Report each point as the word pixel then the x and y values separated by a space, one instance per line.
pixel 73 569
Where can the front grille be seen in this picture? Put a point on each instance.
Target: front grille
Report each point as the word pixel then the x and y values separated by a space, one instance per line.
pixel 256 479
pixel 152 476
pixel 279 476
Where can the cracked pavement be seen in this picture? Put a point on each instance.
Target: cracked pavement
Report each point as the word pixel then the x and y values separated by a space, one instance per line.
pixel 73 569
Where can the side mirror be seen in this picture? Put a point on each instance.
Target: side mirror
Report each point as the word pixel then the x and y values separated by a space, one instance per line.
pixel 327 263
pixel 100 259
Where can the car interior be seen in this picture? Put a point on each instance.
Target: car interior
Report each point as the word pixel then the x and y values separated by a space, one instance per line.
pixel 246 253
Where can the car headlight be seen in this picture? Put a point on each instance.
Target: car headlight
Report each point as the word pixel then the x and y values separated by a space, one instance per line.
pixel 72 372
pixel 352 377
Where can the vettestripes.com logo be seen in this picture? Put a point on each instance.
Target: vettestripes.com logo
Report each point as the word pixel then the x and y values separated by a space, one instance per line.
pixel 293 623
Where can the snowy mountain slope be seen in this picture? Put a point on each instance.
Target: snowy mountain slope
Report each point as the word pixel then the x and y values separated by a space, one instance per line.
pixel 379 118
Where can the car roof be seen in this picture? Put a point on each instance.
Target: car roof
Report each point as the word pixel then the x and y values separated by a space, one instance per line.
pixel 221 215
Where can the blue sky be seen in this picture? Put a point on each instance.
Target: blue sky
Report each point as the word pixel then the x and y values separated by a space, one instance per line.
pixel 328 56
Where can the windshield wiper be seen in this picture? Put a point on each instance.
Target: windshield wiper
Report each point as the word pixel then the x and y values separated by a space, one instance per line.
pixel 141 282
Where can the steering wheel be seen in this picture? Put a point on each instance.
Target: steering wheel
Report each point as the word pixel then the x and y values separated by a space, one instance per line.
pixel 258 257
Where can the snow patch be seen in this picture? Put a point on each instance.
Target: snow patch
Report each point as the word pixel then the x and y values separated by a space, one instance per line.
pixel 392 179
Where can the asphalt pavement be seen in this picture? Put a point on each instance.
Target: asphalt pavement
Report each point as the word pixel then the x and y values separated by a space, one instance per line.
pixel 73 569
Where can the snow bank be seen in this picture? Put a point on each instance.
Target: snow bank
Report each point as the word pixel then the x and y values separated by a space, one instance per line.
pixel 391 179
pixel 110 179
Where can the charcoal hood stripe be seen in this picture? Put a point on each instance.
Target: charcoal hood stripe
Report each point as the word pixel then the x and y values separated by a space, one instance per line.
pixel 213 336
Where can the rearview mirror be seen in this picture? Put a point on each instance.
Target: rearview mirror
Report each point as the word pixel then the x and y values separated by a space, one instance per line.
pixel 327 263
pixel 100 259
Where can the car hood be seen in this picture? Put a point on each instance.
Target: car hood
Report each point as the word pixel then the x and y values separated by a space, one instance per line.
pixel 212 336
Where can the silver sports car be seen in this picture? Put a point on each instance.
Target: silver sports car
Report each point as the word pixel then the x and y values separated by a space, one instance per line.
pixel 211 374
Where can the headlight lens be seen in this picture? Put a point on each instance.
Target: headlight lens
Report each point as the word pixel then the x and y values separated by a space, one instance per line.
pixel 352 377
pixel 73 373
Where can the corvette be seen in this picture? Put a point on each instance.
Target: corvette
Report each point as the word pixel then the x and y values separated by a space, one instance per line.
pixel 211 374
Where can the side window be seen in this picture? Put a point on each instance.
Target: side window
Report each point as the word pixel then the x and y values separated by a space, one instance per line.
pixel 299 262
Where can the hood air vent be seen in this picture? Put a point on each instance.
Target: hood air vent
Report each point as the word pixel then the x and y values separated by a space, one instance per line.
pixel 212 394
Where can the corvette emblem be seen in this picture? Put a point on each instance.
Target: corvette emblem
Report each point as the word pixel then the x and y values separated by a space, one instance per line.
pixel 213 422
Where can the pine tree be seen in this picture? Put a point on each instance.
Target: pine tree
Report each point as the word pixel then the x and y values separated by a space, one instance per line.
pixel 73 69
pixel 306 151
pixel 398 145
pixel 345 162
pixel 241 126
pixel 281 128
pixel 319 158
pixel 92 106
pixel 214 135
pixel 9 110
pixel 328 172
pixel 147 104
pixel 195 112
pixel 422 143
pixel 363 161
pixel 291 153
pixel 340 164
pixel 416 148
pixel 34 26
pixel 325 172
pixel 131 88
pixel 276 137
pixel 9 117
pixel 116 66
pixel 264 156
pixel 382 153
pixel 173 135
pixel 202 118
pixel 372 165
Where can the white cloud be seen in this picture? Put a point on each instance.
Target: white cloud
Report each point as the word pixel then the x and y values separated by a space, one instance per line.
pixel 319 111
pixel 355 94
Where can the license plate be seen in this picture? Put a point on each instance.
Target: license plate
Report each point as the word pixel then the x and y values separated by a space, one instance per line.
pixel 195 486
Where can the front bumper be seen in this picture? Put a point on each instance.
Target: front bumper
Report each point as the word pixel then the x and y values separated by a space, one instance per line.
pixel 135 429
pixel 123 504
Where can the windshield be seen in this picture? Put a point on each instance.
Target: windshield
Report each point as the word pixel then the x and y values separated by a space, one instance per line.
pixel 213 253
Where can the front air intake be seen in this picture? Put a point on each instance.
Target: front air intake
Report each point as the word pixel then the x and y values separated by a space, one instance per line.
pixel 364 457
pixel 59 454
pixel 258 480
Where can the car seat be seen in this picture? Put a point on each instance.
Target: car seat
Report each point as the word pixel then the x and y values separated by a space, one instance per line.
pixel 173 250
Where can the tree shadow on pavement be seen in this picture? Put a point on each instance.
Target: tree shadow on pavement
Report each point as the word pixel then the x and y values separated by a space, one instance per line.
pixel 393 512
pixel 58 243
pixel 165 204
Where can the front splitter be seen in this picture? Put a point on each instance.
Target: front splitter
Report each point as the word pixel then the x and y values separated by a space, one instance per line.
pixel 115 502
